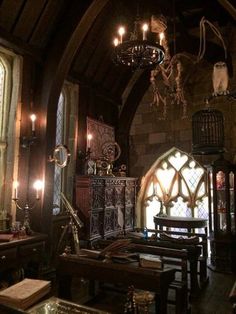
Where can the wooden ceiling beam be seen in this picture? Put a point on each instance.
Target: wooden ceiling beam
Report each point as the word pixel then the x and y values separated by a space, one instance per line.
pixel 15 44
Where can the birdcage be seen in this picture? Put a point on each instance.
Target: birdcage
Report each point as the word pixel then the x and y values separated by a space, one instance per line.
pixel 207 132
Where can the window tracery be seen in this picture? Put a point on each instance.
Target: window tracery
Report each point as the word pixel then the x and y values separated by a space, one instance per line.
pixel 175 185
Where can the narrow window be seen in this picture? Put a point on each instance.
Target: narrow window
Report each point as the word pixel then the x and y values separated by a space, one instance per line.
pixel 59 140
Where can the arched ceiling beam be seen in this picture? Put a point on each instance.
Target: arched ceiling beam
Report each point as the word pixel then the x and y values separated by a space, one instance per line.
pixel 228 7
pixel 63 49
pixel 133 100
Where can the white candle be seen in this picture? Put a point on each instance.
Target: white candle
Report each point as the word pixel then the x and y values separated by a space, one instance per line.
pixel 38 185
pixel 121 32
pixel 15 189
pixel 33 118
pixel 145 28
pixel 116 42
pixel 89 140
pixel 161 38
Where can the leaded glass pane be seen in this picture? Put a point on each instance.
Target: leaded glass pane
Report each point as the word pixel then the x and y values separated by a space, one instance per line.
pixel 192 175
pixel 2 80
pixel 180 208
pixel 177 161
pixel 58 171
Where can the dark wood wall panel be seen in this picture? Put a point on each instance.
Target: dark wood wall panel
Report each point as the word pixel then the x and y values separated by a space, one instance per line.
pixel 9 11
pixel 28 19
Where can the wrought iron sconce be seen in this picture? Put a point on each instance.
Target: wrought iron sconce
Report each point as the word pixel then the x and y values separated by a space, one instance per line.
pixel 27 141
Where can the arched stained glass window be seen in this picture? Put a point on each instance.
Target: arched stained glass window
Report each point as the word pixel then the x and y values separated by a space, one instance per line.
pixel 175 185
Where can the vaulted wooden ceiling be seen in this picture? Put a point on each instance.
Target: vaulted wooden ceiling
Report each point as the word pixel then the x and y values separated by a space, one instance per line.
pixel 31 26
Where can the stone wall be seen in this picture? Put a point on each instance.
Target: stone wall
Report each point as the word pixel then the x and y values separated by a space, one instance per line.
pixel 151 136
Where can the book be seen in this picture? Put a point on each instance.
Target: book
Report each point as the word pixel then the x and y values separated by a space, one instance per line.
pixel 151 262
pixel 113 248
pixel 89 253
pixel 6 237
pixel 25 293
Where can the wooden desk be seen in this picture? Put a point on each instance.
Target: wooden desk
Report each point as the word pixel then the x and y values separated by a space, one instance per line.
pixel 127 274
pixel 19 252
pixel 188 223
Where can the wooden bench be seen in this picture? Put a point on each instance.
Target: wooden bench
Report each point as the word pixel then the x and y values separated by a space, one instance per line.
pixel 176 258
pixel 182 238
pixel 232 298
pixel 193 254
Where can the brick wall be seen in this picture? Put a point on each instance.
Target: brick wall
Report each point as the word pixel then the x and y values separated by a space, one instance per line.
pixel 151 136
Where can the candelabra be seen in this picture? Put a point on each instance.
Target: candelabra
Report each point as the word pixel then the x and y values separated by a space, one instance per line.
pixel 27 142
pixel 38 185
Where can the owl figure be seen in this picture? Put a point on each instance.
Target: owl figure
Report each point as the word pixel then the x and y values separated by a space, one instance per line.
pixel 220 79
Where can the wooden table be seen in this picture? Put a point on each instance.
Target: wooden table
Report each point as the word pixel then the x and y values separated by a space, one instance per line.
pixel 188 223
pixel 128 274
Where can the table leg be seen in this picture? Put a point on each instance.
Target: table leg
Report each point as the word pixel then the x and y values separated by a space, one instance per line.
pixel 64 287
pixel 194 285
pixel 161 301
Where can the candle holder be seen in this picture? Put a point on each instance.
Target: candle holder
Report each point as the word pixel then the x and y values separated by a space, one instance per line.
pixel 27 141
pixel 26 208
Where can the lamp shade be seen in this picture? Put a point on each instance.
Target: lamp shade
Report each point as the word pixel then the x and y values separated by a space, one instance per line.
pixel 207 132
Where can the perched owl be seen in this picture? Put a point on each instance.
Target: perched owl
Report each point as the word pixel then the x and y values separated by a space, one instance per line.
pixel 220 79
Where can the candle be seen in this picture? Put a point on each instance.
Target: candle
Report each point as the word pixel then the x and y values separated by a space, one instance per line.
pixel 33 118
pixel 145 28
pixel 38 185
pixel 161 38
pixel 121 32
pixel 89 140
pixel 116 42
pixel 15 187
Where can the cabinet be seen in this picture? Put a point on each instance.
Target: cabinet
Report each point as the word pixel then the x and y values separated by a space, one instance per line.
pixel 24 253
pixel 106 205
pixel 222 214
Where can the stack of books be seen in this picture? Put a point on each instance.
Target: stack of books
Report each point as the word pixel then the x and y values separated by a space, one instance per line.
pixel 25 293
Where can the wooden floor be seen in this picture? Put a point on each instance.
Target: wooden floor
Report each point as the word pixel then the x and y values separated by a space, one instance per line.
pixel 213 299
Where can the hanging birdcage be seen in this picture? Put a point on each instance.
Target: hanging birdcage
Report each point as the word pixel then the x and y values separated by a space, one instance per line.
pixel 208 132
